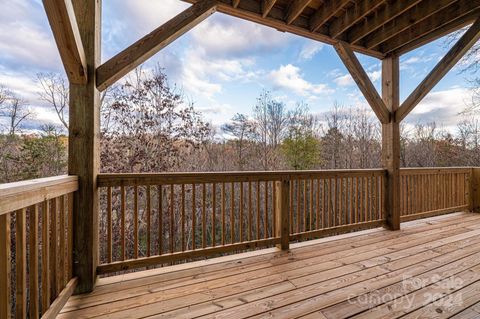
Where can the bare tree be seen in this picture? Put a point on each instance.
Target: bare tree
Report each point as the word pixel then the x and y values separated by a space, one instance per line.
pixel 55 91
pixel 241 129
pixel 14 110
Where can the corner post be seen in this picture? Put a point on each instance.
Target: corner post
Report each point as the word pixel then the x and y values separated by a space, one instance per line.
pixel 391 140
pixel 83 148
pixel 474 194
pixel 282 220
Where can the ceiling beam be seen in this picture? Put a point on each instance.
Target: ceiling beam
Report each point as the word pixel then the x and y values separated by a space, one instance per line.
pixel 352 16
pixel 329 9
pixel 267 5
pixel 445 29
pixel 295 9
pixel 416 14
pixel 127 60
pixel 390 12
pixel 63 23
pixel 363 81
pixel 235 3
pixel 443 17
pixel 446 64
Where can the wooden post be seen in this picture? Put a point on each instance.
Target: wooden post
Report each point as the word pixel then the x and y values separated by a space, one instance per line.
pixel 475 190
pixel 83 148
pixel 282 214
pixel 391 140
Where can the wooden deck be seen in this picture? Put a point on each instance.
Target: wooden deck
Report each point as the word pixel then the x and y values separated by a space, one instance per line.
pixel 429 269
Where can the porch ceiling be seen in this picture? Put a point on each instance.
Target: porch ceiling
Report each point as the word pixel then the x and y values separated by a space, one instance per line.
pixel 373 27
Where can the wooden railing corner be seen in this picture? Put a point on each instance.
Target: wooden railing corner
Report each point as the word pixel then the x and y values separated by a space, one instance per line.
pixel 474 194
pixel 282 218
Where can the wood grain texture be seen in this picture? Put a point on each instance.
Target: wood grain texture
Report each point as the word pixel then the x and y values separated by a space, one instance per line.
pixel 63 23
pixel 391 140
pixel 5 305
pixel 83 147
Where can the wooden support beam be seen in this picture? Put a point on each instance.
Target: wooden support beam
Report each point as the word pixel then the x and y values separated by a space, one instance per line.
pixel 446 64
pixel 127 60
pixel 426 27
pixel 387 14
pixel 396 28
pixel 326 12
pixel 295 9
pixel 391 141
pixel 65 31
pixel 235 3
pixel 352 16
pixel 83 148
pixel 267 5
pixel 361 78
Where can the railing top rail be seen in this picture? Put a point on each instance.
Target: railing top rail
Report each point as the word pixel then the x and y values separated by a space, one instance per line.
pixel 18 195
pixel 433 170
pixel 129 179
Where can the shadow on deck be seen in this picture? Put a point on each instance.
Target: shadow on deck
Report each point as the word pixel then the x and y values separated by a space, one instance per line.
pixel 429 269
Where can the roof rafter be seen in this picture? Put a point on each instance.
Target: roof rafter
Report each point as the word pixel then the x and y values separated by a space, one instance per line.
pixel 446 64
pixel 326 12
pixel 439 32
pixel 426 26
pixel 416 14
pixel 353 15
pixel 140 51
pixel 363 81
pixel 267 5
pixel 63 23
pixel 235 3
pixel 390 12
pixel 295 9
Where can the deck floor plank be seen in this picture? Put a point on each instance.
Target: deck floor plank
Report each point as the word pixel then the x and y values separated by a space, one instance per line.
pixel 317 279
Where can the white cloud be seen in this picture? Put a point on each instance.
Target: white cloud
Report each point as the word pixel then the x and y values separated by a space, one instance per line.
pixel 221 35
pixel 347 80
pixel 289 77
pixel 25 38
pixel 441 107
pixel 309 50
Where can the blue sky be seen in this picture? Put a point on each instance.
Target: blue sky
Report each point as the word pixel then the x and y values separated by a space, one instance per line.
pixel 223 64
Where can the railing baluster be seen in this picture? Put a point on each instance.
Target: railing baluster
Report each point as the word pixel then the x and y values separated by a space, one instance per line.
pixel 135 222
pixel 204 216
pixel 5 266
pixel 61 252
pixel 317 220
pixel 249 237
pixel 122 223
pixel 232 212
pixel 214 214
pixel 311 205
pixel 241 212
pixel 160 219
pixel 183 217
pixel 109 224
pixel 265 213
pixel 149 220
pixel 172 204
pixel 33 262
pixel 21 264
pixel 45 256
pixel 223 213
pixel 194 217
pixel 258 210
pixel 53 250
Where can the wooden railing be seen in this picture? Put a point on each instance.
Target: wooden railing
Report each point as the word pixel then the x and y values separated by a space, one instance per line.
pixel 431 191
pixel 149 219
pixel 39 211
